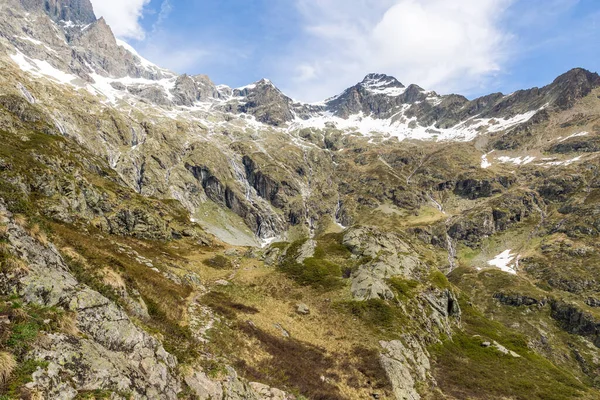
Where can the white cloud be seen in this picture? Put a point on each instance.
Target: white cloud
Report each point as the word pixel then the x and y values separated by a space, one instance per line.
pixel 123 16
pixel 170 54
pixel 439 44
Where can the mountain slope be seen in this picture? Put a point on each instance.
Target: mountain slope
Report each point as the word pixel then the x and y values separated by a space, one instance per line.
pixel 388 242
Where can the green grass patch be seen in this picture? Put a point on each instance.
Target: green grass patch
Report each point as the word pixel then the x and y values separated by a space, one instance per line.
pixel 21 375
pixel 377 314
pixel 330 246
pixel 403 288
pixel 465 369
pixel 318 273
pixel 439 280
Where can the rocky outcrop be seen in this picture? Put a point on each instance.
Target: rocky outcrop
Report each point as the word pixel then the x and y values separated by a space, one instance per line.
pixel 113 353
pixel 387 256
pixel 496 216
pixel 191 89
pixel 472 188
pixel 576 321
pixel 583 144
pixel 407 366
pixel 517 300
pixel 231 388
pixel 445 303
pixel 560 187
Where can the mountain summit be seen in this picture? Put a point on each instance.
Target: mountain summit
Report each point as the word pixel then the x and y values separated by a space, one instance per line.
pixel 79 12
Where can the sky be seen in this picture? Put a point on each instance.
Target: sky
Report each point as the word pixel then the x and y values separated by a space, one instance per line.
pixel 314 49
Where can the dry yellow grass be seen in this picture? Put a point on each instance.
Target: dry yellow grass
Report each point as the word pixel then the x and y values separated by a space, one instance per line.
pixel 113 279
pixel 3 231
pixel 20 220
pixel 67 323
pixel 15 265
pixel 276 297
pixel 36 232
pixel 7 365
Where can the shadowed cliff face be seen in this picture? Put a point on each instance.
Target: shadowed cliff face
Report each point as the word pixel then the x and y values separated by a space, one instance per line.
pixel 76 11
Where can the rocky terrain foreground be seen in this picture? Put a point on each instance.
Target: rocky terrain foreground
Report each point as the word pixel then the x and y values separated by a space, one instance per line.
pixel 163 237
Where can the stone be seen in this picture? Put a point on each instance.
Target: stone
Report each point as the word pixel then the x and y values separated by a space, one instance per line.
pixel 504 350
pixel 283 331
pixel 302 309
pixel 265 392
pixel 405 364
pixel 307 250
pixel 202 386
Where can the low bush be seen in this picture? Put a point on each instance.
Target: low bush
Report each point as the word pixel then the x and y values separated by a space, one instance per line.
pixel 218 262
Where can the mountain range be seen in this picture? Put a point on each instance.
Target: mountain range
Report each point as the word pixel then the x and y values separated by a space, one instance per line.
pixel 165 237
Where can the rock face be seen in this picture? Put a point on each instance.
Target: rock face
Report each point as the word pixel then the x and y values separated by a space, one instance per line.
pixel 191 89
pixel 76 11
pixel 377 94
pixel 265 102
pixel 496 216
pixel 406 362
pixel 517 300
pixel 388 256
pixel 232 388
pixel 114 353
pixel 576 321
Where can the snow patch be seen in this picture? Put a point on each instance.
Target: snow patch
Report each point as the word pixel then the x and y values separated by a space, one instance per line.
pixel 484 160
pixel 143 61
pixel 517 160
pixel 502 124
pixel 574 135
pixel 391 91
pixel 561 163
pixel 506 261
pixel 41 68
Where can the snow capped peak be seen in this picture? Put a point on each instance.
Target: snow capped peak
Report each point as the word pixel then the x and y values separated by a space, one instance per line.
pixel 379 81
pixel 262 82
pixel 383 84
pixel 265 81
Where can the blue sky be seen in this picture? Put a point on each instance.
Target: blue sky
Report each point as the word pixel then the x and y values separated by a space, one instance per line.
pixel 313 49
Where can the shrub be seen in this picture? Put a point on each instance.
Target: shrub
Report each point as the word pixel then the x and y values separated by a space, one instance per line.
pixel 218 262
pixel 439 280
pixel 314 272
pixel 374 312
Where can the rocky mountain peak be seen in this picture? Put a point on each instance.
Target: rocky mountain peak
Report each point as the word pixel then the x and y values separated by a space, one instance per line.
pixel 377 95
pixel 75 11
pixel 265 101
pixel 573 85
pixel 380 81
